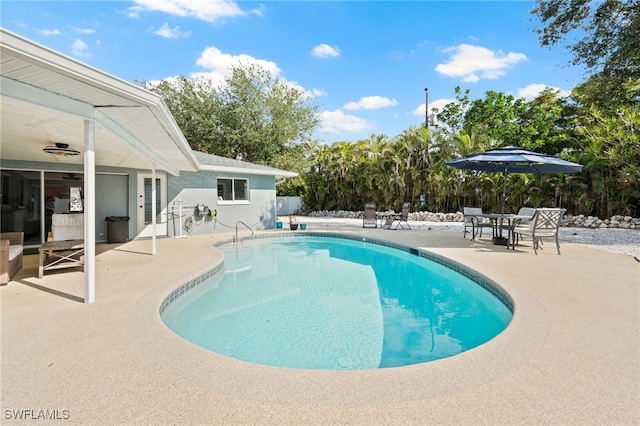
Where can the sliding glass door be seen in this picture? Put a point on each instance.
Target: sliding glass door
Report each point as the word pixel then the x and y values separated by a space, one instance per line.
pixel 21 204
pixel 27 208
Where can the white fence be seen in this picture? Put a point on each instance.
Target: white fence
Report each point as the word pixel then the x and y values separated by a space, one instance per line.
pixel 286 205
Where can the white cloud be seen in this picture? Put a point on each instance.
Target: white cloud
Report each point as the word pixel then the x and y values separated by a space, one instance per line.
pixel 307 93
pixel 325 51
pixel 439 104
pixel 220 63
pixel 210 11
pixel 79 48
pixel 473 63
pixel 167 32
pixel 220 67
pixel 83 30
pixel 49 32
pixel 336 121
pixel 371 102
pixel 534 89
pixel 318 92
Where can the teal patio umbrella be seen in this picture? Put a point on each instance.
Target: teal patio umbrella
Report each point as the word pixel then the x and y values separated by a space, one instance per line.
pixel 511 159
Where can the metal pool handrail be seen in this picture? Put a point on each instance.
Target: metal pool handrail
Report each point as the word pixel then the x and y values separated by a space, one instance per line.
pixel 235 239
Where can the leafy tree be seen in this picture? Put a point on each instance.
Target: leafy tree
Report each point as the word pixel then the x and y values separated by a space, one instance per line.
pixel 299 159
pixel 499 116
pixel 451 118
pixel 191 104
pixel 258 116
pixel 546 125
pixel 598 91
pixel 252 115
pixel 610 181
pixel 606 38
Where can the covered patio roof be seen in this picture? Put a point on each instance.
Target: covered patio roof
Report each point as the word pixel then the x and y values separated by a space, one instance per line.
pixel 46 97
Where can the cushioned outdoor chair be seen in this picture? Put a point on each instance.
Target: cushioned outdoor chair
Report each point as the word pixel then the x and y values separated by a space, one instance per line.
pixel 473 219
pixel 11 246
pixel 370 216
pixel 401 218
pixel 526 211
pixel 525 214
pixel 545 224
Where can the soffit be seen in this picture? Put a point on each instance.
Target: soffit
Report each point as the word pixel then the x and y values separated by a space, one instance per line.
pixel 46 98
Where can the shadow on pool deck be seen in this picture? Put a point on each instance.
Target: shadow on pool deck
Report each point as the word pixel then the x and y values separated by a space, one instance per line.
pixel 569 356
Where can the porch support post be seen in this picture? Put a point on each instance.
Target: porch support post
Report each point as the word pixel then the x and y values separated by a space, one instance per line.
pixel 153 208
pixel 89 212
pixel 43 209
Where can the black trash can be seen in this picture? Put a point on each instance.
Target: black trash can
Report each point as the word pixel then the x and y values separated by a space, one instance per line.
pixel 118 228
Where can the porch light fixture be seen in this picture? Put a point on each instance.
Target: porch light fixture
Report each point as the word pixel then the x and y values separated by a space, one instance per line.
pixel 61 149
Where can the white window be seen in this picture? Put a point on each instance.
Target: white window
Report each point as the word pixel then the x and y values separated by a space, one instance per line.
pixel 233 190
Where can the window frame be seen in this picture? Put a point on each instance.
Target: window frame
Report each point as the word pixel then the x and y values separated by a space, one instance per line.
pixel 233 190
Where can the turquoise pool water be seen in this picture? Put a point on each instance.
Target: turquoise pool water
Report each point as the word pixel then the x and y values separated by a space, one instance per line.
pixel 334 304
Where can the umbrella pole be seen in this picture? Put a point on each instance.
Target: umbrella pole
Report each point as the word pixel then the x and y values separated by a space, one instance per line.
pixel 498 238
pixel 504 189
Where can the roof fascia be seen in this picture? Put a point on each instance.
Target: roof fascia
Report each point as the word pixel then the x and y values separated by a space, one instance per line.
pixel 30 51
pixel 164 116
pixel 240 170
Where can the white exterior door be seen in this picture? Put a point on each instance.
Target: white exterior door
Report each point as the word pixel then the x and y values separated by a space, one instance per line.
pixel 144 205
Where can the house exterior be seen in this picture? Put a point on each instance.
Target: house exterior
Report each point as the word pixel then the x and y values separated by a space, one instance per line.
pixel 79 143
pixel 232 191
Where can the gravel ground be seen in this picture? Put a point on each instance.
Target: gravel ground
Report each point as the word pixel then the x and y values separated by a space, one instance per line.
pixel 622 241
pixel 614 240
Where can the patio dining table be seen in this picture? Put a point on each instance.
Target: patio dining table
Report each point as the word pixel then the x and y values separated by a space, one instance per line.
pixel 504 221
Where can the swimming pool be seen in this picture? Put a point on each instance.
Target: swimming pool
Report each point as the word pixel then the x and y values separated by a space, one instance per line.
pixel 314 302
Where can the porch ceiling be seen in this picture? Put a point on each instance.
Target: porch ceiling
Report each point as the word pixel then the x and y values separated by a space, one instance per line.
pixel 46 96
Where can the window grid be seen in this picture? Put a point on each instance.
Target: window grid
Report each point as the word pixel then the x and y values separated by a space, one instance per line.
pixel 230 189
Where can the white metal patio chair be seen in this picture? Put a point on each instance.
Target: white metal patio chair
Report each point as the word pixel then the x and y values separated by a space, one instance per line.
pixel 525 215
pixel 473 218
pixel 526 211
pixel 545 224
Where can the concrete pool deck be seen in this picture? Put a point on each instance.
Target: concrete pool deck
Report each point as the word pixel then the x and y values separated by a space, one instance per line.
pixel 571 354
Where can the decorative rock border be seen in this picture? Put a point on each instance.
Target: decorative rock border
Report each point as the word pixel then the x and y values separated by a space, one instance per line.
pixel 617 221
pixel 579 221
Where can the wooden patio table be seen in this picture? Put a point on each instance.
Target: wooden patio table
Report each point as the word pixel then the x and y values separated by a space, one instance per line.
pixel 61 254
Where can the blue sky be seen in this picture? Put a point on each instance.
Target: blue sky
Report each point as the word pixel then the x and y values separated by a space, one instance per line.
pixel 366 63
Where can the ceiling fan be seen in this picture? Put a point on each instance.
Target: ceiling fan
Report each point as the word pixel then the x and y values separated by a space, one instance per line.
pixel 71 176
pixel 61 149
